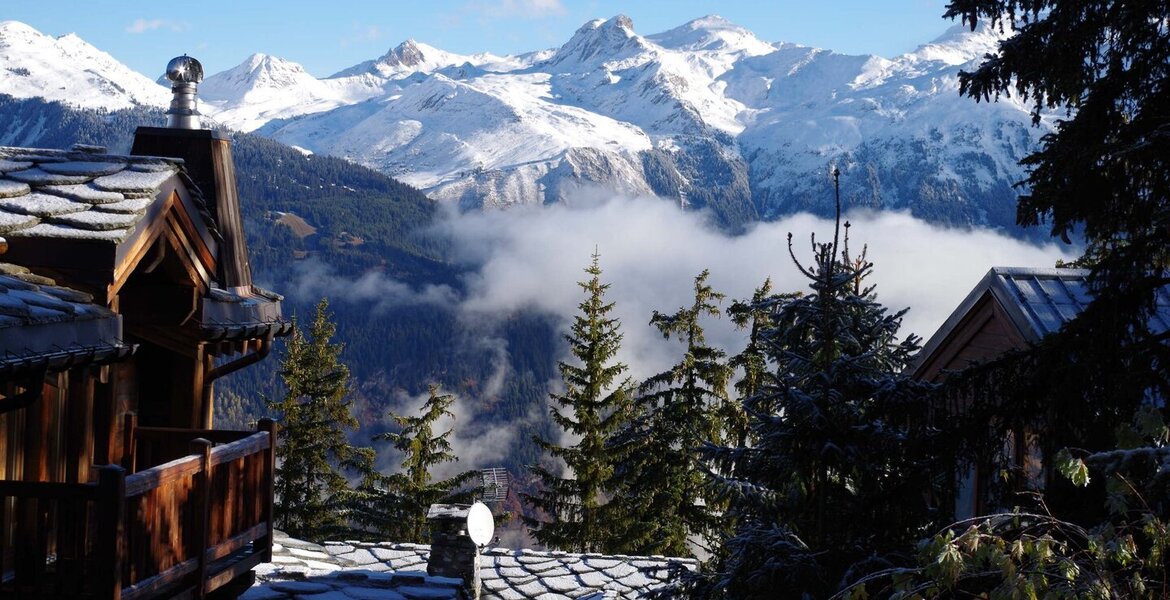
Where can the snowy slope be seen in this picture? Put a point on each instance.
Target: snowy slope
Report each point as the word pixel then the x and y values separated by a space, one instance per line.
pixel 898 125
pixel 33 64
pixel 263 88
pixel 705 114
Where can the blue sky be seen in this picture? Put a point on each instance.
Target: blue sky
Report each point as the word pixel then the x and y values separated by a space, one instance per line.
pixel 329 35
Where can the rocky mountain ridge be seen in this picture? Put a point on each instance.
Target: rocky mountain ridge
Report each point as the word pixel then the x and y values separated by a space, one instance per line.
pixel 706 115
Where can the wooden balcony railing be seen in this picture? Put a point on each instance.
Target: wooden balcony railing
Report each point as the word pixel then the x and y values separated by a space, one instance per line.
pixel 184 527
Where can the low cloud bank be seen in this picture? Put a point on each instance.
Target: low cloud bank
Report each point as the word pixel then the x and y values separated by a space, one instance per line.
pixel 530 259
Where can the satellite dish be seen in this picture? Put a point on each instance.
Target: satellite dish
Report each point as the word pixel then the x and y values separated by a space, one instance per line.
pixel 481 526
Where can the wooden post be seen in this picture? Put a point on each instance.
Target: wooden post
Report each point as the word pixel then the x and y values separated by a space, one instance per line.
pixel 202 448
pixel 269 486
pixel 111 539
pixel 130 442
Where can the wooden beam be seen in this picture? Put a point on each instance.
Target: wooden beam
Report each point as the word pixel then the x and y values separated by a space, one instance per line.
pixel 248 446
pixel 155 477
pixel 195 274
pixel 202 496
pixel 133 250
pixel 230 570
pixel 235 543
pixel 79 425
pixel 186 224
pixel 151 586
pixel 111 538
pixel 130 442
pixel 269 486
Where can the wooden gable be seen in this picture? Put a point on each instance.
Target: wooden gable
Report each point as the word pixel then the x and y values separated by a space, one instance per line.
pixel 984 333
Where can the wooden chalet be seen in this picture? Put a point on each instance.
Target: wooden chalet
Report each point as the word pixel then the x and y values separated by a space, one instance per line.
pixel 125 293
pixel 1011 308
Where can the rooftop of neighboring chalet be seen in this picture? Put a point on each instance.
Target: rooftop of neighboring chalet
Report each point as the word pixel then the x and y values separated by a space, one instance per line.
pixel 1037 302
pixel 46 325
pixel 389 571
pixel 82 193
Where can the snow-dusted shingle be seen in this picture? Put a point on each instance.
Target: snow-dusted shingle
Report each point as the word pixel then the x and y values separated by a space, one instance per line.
pixel 42 323
pixel 384 571
pixel 77 194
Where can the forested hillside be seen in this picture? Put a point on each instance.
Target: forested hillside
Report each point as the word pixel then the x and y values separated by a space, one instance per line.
pixel 351 222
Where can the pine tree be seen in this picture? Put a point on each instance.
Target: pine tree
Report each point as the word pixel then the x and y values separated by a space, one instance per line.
pixel 662 483
pixel 754 315
pixel 312 448
pixel 1104 172
pixel 835 478
pixel 395 506
pixel 595 403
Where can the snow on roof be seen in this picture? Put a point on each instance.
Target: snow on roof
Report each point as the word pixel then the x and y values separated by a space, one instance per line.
pixel 43 323
pixel 389 571
pixel 77 194
pixel 231 314
pixel 1038 302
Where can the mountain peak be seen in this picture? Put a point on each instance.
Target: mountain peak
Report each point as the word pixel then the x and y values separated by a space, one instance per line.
pixel 16 27
pixel 621 22
pixel 603 39
pixel 70 70
pixel 406 54
pixel 959 44
pixel 710 22
pixel 257 72
pixel 712 33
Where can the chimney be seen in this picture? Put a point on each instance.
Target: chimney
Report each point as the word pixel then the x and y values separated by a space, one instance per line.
pixel 458 531
pixel 185 74
pixel 207 155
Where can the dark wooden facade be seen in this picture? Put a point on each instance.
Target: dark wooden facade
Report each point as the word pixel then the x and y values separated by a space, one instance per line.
pixel 1009 309
pixel 113 482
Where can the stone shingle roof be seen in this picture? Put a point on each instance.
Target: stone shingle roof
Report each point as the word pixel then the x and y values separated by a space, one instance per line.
pixel 44 324
pixel 305 571
pixel 78 194
pixel 230 315
pixel 361 570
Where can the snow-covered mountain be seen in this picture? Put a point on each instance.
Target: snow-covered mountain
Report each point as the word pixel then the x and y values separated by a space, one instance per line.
pixel 68 69
pixel 263 88
pixel 705 114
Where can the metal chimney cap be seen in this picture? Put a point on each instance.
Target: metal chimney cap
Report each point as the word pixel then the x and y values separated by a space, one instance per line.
pixel 184 69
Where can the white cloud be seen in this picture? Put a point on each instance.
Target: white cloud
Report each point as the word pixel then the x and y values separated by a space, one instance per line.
pixel 529 259
pixel 313 279
pixel 532 258
pixel 144 25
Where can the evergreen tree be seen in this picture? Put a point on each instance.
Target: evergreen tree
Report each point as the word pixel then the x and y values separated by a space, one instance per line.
pixel 395 506
pixel 312 447
pixel 595 403
pixel 662 483
pixel 834 481
pixel 1104 172
pixel 754 315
